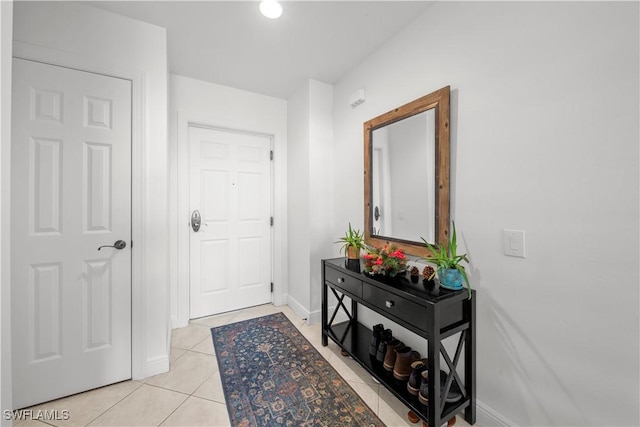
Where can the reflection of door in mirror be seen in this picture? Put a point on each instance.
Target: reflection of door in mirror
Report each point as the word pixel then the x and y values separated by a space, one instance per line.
pixel 403 178
pixel 381 184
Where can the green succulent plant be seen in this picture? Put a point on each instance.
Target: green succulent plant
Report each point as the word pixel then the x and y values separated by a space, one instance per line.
pixel 447 257
pixel 352 239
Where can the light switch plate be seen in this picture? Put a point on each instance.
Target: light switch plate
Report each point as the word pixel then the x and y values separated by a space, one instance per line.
pixel 513 243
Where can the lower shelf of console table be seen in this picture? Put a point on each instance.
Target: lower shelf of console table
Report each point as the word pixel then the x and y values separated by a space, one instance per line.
pixel 430 312
pixel 355 341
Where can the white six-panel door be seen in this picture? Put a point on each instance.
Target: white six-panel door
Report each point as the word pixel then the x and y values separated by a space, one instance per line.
pixel 71 193
pixel 230 186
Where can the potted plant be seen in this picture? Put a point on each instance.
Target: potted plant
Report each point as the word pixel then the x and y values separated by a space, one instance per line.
pixel 386 261
pixel 352 242
pixel 446 258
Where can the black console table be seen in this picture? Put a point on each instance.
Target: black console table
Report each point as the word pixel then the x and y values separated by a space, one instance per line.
pixel 427 310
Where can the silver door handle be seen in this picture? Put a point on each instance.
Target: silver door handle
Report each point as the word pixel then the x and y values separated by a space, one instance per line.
pixel 196 220
pixel 119 244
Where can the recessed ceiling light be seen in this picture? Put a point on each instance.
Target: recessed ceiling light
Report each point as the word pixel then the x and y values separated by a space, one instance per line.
pixel 271 9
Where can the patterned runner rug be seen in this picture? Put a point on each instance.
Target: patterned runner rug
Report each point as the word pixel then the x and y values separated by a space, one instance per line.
pixel 272 376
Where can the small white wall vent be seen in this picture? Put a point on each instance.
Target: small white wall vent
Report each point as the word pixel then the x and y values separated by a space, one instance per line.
pixel 357 98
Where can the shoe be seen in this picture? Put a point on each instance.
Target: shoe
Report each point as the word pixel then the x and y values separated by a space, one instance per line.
pixel 454 394
pixel 382 347
pixel 423 394
pixel 404 358
pixel 390 355
pixel 417 367
pixel 376 335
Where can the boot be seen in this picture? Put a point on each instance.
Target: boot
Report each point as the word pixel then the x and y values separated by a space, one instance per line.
pixel 454 395
pixel 382 347
pixel 423 394
pixel 404 358
pixel 390 355
pixel 413 386
pixel 375 339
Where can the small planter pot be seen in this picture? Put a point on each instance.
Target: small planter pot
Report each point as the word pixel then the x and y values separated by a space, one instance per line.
pixel 353 259
pixel 353 253
pixel 450 278
pixel 352 264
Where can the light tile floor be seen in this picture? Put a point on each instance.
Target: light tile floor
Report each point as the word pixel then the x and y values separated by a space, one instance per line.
pixel 190 394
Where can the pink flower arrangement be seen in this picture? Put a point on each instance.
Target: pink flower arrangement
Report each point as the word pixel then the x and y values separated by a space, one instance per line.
pixel 388 261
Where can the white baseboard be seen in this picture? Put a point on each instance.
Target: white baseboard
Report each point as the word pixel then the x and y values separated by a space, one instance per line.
pixel 153 367
pixel 298 308
pixel 175 323
pixel 280 299
pixel 314 317
pixel 486 416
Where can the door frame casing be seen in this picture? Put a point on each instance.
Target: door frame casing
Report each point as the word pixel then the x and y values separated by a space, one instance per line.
pixel 139 362
pixel 278 206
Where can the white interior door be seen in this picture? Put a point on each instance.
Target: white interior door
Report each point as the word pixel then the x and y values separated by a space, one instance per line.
pixel 376 193
pixel 230 254
pixel 71 194
pixel 380 191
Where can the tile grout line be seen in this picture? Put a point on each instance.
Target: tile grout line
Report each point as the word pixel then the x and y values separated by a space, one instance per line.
pixel 177 407
pixel 112 406
pixel 187 394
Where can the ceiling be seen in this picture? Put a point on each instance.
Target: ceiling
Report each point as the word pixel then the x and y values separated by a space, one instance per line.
pixel 230 43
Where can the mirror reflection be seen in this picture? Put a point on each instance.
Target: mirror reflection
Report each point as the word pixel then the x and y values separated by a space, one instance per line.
pixel 406 174
pixel 403 178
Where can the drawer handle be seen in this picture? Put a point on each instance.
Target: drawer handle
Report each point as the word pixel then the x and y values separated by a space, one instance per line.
pixel 389 304
pixel 340 279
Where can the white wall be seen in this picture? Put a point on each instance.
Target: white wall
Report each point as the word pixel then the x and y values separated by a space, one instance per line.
pixel 78 36
pixel 320 186
pixel 309 189
pixel 6 38
pixel 194 101
pixel 298 201
pixel 544 133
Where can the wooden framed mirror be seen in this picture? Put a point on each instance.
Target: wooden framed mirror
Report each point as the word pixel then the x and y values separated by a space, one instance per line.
pixel 406 175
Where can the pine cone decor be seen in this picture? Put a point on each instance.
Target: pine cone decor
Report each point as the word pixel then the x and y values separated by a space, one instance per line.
pixel 414 273
pixel 428 273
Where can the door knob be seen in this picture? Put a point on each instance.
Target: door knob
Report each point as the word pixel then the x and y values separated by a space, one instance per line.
pixel 196 220
pixel 119 244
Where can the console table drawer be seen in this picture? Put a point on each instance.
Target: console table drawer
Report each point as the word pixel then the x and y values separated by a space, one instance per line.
pixel 343 281
pixel 399 307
